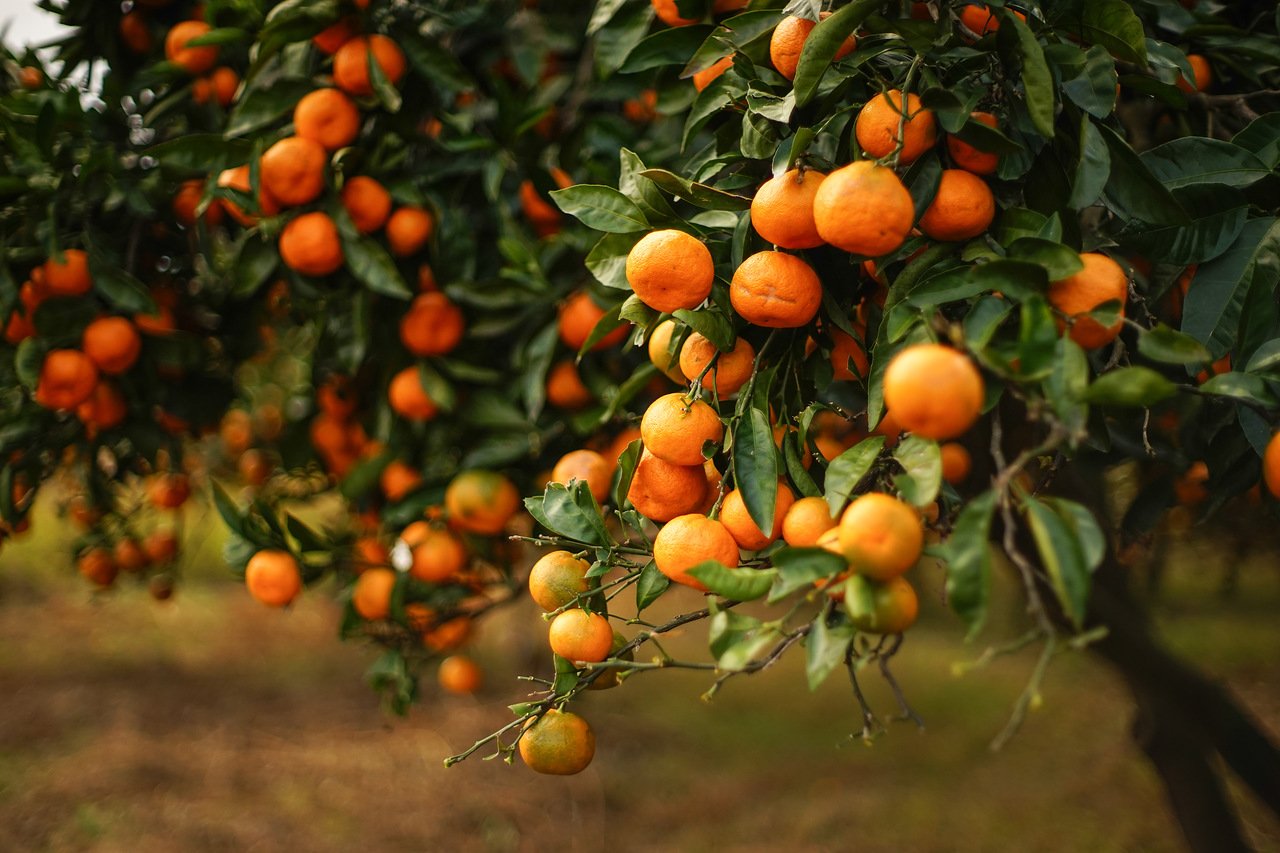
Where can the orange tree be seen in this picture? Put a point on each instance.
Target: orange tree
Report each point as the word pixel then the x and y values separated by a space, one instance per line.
pixel 924 278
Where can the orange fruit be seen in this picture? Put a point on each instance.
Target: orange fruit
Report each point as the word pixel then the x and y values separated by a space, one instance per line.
pixel 408 398
pixel 557 579
pixel 736 519
pixel 67 378
pixel 112 343
pixel 105 408
pixel 1101 280
pixel 661 491
pixel 782 210
pixel 587 466
pixel 788 41
pixel 18 329
pixel 864 209
pixel 292 170
pixel 619 445
pixel 1202 71
pixel 188 198
pixel 432 326
pixel 731 371
pixel 193 60
pixel 351 63
pixel 224 82
pixel 565 388
pixel 708 75
pixel 660 354
pixel 438 554
pixel 881 536
pixel 962 208
pixel 1271 466
pixel 979 19
pixel 448 635
pixel 134 32
pixel 1191 488
pixel 328 117
pixel 459 674
pixel 481 502
pixel 775 290
pixel 236 431
pixel 334 36
pixel 670 270
pixel 368 551
pixel 67 277
pixel 97 565
pixel 408 230
pixel 168 490
pixel 675 429
pixel 577 635
pixel 956 463
pixel 31 77
pixel 254 467
pixel 877 127
pixel 687 540
pixel 806 521
pixel 890 608
pixel 128 555
pixel 310 245
pixel 273 577
pixel 578 316
pixel 337 397
pixel 368 203
pixel 845 350
pixel 669 14
pixel 371 594
pixel 559 743
pixel 161 546
pixel 398 479
pixel 544 216
pixel 974 159
pixel 238 179
pixel 933 391
pixel 642 108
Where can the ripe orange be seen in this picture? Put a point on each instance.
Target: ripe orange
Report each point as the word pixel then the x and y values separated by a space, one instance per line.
pixel 687 540
pixel 557 579
pixel 708 75
pixel 161 546
pixel 168 490
pixel 448 635
pixel 273 577
pixel 334 36
pixel 748 535
pixel 1202 71
pixel 893 608
pixel 105 408
pixel 660 354
pixel 432 326
pixel 238 179
pixel 661 491
pixel 337 397
pixel 775 290
pixel 979 19
pixel 1271 466
pixel 670 270
pixel 542 214
pixel 642 108
pixel 224 82
pixel 675 429
pixel 559 743
pixel 368 203
pixel 371 595
pixel 398 479
pixel 112 343
pixel 864 209
pixel 806 521
pixel 236 431
pixel 367 552
pixel 881 536
pixel 974 159
pixel 328 117
pixel 578 316
pixel 68 277
pixel 1191 488
pixel 565 388
pixel 933 391
pixel 96 565
pixel 310 245
pixel 438 554
pixel 481 502
pixel 128 555
pixel 956 463
pixel 877 127
pixel 408 398
pixel 31 77
pixel 1102 280
pixel 577 635
pixel 782 210
pixel 408 230
pixel 254 467
pixel 135 32
pixel 731 371
pixel 669 14
pixel 351 63
pixel 845 350
pixel 187 199
pixel 459 674
pixel 788 41
pixel 962 208
pixel 67 378
pixel 193 60
pixel 292 170
pixel 587 466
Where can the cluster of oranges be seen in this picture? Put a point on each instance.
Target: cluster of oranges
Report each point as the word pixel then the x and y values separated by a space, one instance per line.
pixel 113 545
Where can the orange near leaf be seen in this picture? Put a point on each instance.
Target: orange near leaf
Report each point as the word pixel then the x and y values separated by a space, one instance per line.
pixel 408 398
pixel 864 209
pixel 877 127
pixel 577 635
pixel 782 210
pixel 310 244
pixel 408 230
pixel 193 60
pixel 558 743
pixel 67 378
pixel 788 40
pixel 974 159
pixel 367 202
pixel 586 466
pixel 745 531
pixel 670 270
pixel 687 540
pixel 675 429
pixel 881 536
pixel 112 343
pixel 481 501
pixel 578 316
pixel 351 63
pixel 1101 280
pixel 565 388
pixel 371 595
pixel 731 371
pixel 962 208
pixel 933 391
pixel 433 325
pixel 806 521
pixel 661 491
pixel 775 290
pixel 68 276
pixel 292 170
pixel 557 579
pixel 328 117
pixel 273 577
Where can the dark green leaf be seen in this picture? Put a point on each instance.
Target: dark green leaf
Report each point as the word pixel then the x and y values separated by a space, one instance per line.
pixel 1130 386
pixel 602 208
pixel 799 568
pixel 1212 309
pixel 825 649
pixel 968 556
pixel 1171 347
pixel 733 583
pixel 571 513
pixel 922 462
pixel 1113 24
pixel 755 467
pixel 848 469
pixel 824 41
pixel 651 584
pixel 1132 191
pixel 1036 77
pixel 260 107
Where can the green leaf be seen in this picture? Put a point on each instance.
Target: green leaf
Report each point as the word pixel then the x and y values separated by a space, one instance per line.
pixel 1036 77
pixel 1113 24
pixel 736 638
pixel 968 556
pixel 1093 86
pixel 712 325
pixel 260 107
pixel 371 264
pixel 1266 358
pixel 922 461
pixel 255 263
pixel 615 41
pixel 734 584
pixel 1093 169
pixel 200 152
pixel 1130 386
pixel 602 208
pixel 1067 541
pixel 1198 160
pixel 1059 261
pixel 668 46
pixel 1240 386
pixel 825 649
pixel 651 584
pixel 1262 138
pixel 1211 311
pixel 1171 346
pixel 755 467
pixel 1015 279
pixel 1132 191
pixel 1218 216
pixel 697 194
pixel 571 513
pixel 627 462
pixel 847 471
pixel 607 260
pixel 824 41
pixel 119 287
pixel 383 89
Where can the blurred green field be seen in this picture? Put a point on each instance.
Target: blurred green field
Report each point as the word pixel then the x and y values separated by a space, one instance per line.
pixel 211 723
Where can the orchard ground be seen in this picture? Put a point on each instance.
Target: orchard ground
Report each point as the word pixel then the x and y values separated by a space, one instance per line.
pixel 213 723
